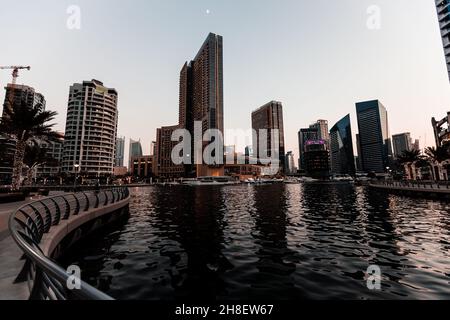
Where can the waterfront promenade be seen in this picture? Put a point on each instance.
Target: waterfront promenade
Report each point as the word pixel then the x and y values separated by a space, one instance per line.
pixel 51 220
pixel 10 256
pixel 414 188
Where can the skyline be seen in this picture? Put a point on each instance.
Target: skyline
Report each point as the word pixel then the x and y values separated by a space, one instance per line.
pixel 252 77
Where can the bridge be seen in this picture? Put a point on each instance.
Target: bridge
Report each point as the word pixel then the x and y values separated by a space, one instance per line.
pixel 40 231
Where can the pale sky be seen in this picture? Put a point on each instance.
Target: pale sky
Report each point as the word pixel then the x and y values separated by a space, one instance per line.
pixel 318 57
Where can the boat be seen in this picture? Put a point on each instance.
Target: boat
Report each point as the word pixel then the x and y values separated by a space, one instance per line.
pixel 342 178
pixel 307 180
pixel 210 181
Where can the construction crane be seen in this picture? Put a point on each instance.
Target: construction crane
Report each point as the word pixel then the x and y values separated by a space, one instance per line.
pixel 15 73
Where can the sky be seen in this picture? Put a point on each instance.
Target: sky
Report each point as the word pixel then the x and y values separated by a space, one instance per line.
pixel 317 57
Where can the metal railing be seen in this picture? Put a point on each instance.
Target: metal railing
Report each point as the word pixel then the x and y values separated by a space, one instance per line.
pixel 46 279
pixel 415 184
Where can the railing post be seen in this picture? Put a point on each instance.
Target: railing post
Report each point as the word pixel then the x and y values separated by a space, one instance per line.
pixel 86 208
pixel 97 200
pixel 58 212
pixel 67 213
pixel 77 207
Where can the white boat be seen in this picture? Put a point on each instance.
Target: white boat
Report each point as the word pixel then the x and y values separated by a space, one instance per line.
pixel 307 179
pixel 343 178
pixel 210 181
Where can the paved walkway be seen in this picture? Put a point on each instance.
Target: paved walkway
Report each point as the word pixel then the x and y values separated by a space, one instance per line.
pixel 10 256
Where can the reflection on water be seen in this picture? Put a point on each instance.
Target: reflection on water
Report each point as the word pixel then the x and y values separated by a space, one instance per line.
pixel 273 241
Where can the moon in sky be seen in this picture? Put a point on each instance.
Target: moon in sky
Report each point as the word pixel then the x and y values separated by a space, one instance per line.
pixel 208 11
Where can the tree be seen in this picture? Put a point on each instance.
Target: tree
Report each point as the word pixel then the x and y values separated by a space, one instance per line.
pixel 23 124
pixel 408 159
pixel 35 156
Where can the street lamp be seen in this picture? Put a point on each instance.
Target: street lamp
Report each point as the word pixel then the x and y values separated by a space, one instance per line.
pixel 76 166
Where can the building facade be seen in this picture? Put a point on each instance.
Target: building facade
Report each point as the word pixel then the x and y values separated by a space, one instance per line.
pixel 317 159
pixel 374 139
pixel 269 117
pixel 135 150
pixel 290 163
pixel 443 11
pixel 120 152
pixel 54 151
pixel 341 144
pixel 401 142
pixel 163 166
pixel 304 135
pixel 441 130
pixel 91 130
pixel 142 167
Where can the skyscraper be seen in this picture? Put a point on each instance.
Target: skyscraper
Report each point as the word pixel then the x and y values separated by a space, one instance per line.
pixel 375 144
pixel 342 155
pixel 269 117
pixel 443 11
pixel 290 163
pixel 402 142
pixel 16 94
pixel 120 152
pixel 135 150
pixel 304 135
pixel 322 130
pixel 201 98
pixel 91 129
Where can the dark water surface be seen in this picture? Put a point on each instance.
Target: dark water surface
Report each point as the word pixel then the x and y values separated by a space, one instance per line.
pixel 271 241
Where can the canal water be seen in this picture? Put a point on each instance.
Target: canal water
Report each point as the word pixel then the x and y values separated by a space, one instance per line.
pixel 278 242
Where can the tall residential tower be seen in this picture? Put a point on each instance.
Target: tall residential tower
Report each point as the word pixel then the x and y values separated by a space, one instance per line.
pixel 91 129
pixel 443 11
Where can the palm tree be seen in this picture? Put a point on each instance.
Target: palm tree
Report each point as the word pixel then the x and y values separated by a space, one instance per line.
pixel 408 159
pixel 23 124
pixel 35 156
pixel 437 156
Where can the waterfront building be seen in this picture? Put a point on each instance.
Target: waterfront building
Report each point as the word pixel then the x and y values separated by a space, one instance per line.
pixel 441 130
pixel 163 166
pixel 142 167
pixel 443 11
pixel 374 139
pixel 401 142
pixel 249 151
pixel 120 171
pixel 243 172
pixel 54 152
pixel 269 117
pixel 120 152
pixel 201 100
pixel 416 145
pixel 91 130
pixel 290 163
pixel 304 135
pixel 135 150
pixel 15 95
pixel 322 130
pixel 341 143
pixel 317 159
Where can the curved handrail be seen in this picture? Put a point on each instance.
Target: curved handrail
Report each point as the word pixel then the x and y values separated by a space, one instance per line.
pixel 28 224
